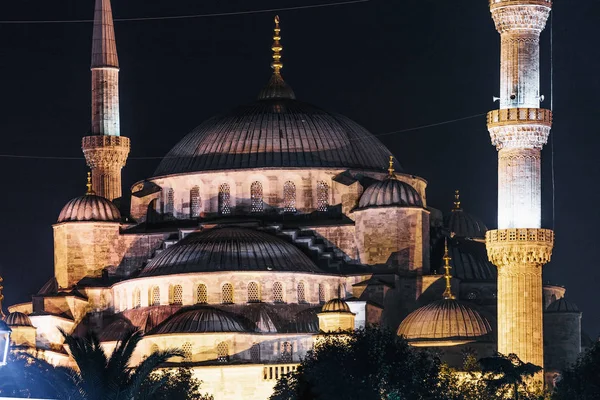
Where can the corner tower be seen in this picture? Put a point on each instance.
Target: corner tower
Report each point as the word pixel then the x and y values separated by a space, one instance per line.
pixel 105 150
pixel 519 129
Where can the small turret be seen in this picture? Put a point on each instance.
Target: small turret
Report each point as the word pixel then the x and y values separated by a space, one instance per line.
pixel 336 316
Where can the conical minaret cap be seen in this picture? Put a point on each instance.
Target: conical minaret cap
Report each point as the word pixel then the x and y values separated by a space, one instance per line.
pixel 104 47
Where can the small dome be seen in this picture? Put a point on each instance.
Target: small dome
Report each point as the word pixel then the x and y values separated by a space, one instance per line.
pixel 470 261
pixel 230 249
pixel 445 320
pixel 464 224
pixel 18 319
pixel 390 192
pixel 562 305
pixel 277 88
pixel 336 305
pixel 202 320
pixel 89 208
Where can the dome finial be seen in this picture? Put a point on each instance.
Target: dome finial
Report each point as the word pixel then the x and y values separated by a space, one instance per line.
pixel 2 316
pixel 457 206
pixel 89 190
pixel 448 292
pixel 391 167
pixel 276 64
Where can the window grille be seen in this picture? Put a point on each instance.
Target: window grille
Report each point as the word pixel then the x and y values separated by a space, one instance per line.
pixel 256 197
pixel 321 293
pixel 253 292
pixel 255 353
pixel 222 352
pixel 170 203
pixel 201 295
pixel 195 202
pixel 322 196
pixel 155 296
pixel 224 199
pixel 289 197
pixel 277 292
pixel 137 298
pixel 177 295
pixel 286 352
pixel 301 293
pixel 227 294
pixel 186 349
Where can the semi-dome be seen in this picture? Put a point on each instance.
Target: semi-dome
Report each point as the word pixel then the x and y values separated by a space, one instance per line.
pixel 336 305
pixel 203 319
pixel 445 320
pixel 18 319
pixel 562 305
pixel 390 192
pixel 230 249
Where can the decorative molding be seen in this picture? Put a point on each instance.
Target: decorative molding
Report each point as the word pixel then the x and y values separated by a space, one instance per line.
pixel 528 15
pixel 516 247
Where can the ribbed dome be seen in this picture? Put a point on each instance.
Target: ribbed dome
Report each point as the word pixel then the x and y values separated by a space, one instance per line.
pixel 278 133
pixel 230 249
pixel 277 88
pixel 202 320
pixel 562 305
pixel 18 319
pixel 390 192
pixel 464 224
pixel 89 208
pixel 469 261
pixel 336 305
pixel 445 320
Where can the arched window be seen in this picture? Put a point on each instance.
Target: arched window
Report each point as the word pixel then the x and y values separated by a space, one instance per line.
pixel 195 202
pixel 277 292
pixel 301 292
pixel 341 291
pixel 227 293
pixel 222 352
pixel 201 295
pixel 224 199
pixel 256 197
pixel 253 292
pixel 137 298
pixel 322 293
pixel 322 196
pixel 255 353
pixel 186 349
pixel 289 197
pixel 154 296
pixel 170 203
pixel 176 295
pixel 287 354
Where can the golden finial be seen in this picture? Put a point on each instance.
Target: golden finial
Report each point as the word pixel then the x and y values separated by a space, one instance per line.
pixel 89 184
pixel 448 292
pixel 2 316
pixel 391 167
pixel 276 64
pixel 456 201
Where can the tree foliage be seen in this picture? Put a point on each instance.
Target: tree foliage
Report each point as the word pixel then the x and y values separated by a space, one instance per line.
pixel 179 384
pixel 582 380
pixel 368 364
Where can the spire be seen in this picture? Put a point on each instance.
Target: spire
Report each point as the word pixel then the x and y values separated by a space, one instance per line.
pixel 457 206
pixel 391 168
pixel 448 292
pixel 276 88
pixel 104 48
pixel 2 316
pixel 89 190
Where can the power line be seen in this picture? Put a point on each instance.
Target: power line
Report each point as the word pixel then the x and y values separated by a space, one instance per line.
pixel 221 14
pixel 18 156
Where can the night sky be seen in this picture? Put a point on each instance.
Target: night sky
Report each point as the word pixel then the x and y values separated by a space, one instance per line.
pixel 389 65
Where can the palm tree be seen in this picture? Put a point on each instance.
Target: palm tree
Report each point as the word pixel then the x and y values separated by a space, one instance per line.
pixel 501 372
pixel 102 377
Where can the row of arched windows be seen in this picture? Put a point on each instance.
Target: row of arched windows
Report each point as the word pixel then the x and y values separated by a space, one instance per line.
pixel 257 204
pixel 253 294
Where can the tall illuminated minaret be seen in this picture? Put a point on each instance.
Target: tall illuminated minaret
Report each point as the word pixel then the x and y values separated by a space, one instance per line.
pixel 519 129
pixel 105 150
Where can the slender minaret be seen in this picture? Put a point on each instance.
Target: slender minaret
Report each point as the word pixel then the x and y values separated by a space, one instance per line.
pixel 519 129
pixel 105 150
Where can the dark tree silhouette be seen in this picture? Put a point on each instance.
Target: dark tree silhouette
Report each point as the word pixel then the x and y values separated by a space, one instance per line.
pixel 503 372
pixel 582 380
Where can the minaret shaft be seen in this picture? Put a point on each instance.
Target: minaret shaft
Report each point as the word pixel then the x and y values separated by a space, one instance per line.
pixel 519 130
pixel 105 150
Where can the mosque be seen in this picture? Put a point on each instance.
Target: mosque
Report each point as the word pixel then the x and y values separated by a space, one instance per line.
pixel 275 222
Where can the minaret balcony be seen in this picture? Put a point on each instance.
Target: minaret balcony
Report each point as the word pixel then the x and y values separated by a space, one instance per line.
pixel 525 116
pixel 526 128
pixel 519 246
pixel 501 3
